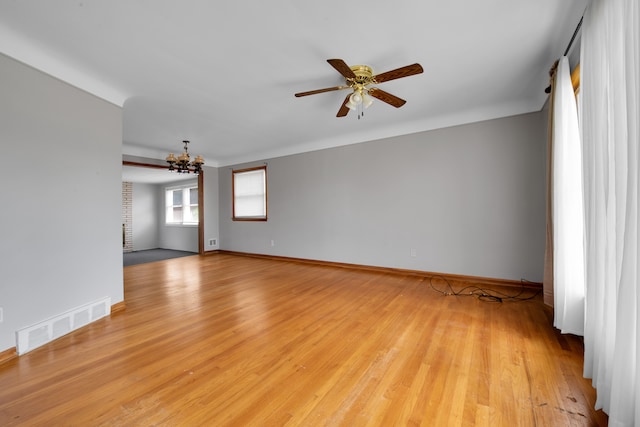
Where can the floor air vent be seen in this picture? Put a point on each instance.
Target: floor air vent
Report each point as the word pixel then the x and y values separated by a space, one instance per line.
pixel 48 330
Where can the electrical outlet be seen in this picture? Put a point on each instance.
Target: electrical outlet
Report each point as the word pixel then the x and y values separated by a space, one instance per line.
pixel 273 243
pixel 213 242
pixel 413 252
pixel 1 314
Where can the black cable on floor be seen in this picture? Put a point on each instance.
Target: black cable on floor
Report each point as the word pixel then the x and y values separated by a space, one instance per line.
pixel 483 294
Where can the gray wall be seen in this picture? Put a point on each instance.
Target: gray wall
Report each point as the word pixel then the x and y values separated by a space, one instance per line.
pixel 463 200
pixel 61 224
pixel 179 237
pixel 145 218
pixel 211 208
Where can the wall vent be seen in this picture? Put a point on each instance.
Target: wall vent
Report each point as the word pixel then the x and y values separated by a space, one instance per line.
pixel 48 330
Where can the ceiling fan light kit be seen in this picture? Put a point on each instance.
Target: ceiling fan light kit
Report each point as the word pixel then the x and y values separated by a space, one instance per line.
pixel 359 78
pixel 360 97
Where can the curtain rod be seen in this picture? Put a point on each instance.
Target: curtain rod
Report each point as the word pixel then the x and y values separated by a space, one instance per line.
pixel 573 37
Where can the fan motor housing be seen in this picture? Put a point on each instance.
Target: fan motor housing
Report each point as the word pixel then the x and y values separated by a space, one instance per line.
pixel 364 75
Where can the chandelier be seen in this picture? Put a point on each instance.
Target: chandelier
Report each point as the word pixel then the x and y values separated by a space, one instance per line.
pixel 182 163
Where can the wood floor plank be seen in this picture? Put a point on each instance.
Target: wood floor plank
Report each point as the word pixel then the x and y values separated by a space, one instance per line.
pixel 228 340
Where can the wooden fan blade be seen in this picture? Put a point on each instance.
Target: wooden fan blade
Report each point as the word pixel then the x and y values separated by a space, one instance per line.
pixel 313 92
pixel 387 97
pixel 344 110
pixel 342 68
pixel 407 71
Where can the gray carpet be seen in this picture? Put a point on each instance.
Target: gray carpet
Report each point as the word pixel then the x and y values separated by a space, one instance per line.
pixel 151 255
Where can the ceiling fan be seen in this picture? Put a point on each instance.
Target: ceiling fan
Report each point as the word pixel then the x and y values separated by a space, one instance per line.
pixel 359 78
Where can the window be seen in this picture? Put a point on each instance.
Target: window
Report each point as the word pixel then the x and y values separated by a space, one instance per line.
pixel 181 205
pixel 249 188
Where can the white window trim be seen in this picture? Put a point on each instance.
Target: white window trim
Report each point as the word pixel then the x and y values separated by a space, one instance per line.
pixel 186 191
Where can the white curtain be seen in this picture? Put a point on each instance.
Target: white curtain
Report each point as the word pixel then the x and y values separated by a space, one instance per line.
pixel 610 61
pixel 567 207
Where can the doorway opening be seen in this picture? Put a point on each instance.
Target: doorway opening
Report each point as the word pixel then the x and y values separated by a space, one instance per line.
pixel 154 175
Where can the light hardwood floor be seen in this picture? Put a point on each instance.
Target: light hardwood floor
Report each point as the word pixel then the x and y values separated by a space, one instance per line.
pixel 231 340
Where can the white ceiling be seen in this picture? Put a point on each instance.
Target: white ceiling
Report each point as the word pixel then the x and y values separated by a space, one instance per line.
pixel 223 74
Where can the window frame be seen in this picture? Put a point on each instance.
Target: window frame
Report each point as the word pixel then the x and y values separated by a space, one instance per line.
pixel 186 190
pixel 235 217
